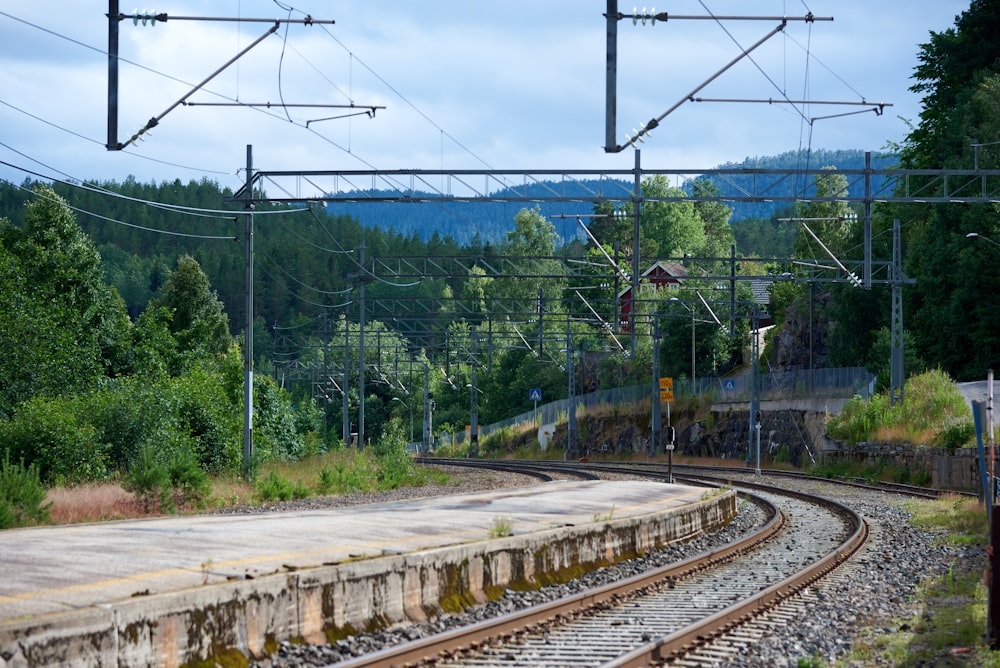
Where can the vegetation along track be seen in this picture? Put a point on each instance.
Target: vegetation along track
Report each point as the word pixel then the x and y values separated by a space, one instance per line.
pixel 662 614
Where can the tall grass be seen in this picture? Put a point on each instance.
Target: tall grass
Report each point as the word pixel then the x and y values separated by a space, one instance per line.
pixel 92 503
pixel 334 473
pixel 933 413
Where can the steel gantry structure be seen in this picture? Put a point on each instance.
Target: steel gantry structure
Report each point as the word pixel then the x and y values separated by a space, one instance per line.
pixel 624 186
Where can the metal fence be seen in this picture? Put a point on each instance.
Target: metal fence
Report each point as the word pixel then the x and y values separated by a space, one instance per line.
pixel 840 383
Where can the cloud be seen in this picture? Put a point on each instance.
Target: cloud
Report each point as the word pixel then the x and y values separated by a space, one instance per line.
pixel 512 84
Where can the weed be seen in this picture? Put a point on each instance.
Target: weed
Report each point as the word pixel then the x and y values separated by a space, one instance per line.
pixel 501 526
pixel 206 570
pixel 951 607
pixel 934 413
pixel 92 503
pixel 277 488
pixel 605 518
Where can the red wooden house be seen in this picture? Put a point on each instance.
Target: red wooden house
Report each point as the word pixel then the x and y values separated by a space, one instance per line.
pixel 661 274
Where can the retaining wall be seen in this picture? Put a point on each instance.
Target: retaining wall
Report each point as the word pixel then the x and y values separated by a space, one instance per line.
pixel 957 471
pixel 249 617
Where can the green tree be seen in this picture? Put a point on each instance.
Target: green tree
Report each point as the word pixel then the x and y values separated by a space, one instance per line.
pixel 198 320
pixel 715 220
pixel 531 245
pixel 61 326
pixel 830 221
pixel 952 66
pixel 674 227
pixel 954 327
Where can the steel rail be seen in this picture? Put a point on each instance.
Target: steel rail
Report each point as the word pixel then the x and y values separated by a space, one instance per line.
pixel 674 646
pixel 540 618
pixel 470 638
pixel 720 472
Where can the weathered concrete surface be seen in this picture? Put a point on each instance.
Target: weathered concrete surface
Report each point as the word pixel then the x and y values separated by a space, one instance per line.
pixel 167 592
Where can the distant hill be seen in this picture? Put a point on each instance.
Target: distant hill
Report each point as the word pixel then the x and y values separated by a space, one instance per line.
pixel 845 159
pixel 489 222
pixel 465 221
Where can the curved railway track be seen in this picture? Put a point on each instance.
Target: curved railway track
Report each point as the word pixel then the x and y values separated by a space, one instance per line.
pixel 663 614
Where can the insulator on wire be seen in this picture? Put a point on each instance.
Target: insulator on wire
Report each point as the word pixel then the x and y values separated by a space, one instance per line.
pixel 144 16
pixel 643 16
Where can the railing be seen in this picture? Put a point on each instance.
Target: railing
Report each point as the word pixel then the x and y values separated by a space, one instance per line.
pixel 840 383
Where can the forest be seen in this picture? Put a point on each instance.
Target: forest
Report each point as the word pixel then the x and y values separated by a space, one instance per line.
pixel 122 316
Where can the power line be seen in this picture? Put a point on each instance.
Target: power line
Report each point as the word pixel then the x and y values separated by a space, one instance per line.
pixel 79 184
pixel 115 221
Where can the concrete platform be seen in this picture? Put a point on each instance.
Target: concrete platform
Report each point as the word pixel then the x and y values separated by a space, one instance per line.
pixel 168 591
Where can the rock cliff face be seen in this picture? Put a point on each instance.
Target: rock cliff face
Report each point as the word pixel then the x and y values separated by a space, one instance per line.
pixel 790 349
pixel 790 436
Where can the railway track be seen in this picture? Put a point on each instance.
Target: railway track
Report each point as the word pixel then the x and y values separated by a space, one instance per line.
pixel 662 615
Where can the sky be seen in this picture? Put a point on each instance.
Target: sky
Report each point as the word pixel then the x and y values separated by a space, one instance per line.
pixel 490 84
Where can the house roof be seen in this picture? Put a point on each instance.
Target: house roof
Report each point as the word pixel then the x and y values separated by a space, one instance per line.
pixel 659 272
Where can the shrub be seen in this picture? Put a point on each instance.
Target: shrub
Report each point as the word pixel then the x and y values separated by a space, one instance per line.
pixel 164 485
pixel 276 428
pixel 934 411
pixel 955 434
pixel 21 495
pixel 205 416
pixel 52 435
pixel 329 477
pixel 127 412
pixel 148 479
pixel 188 481
pixel 395 465
pixel 276 488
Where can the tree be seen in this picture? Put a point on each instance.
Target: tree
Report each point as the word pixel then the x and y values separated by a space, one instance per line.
pixel 61 326
pixel 952 66
pixel 954 327
pixel 198 321
pixel 715 220
pixel 674 227
pixel 532 245
pixel 830 221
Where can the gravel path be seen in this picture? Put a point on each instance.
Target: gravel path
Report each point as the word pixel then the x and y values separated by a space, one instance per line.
pixel 872 593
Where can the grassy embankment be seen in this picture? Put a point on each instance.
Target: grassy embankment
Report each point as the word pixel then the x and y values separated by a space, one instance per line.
pixel 948 624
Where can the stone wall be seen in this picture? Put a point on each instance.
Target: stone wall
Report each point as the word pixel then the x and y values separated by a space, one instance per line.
pixel 958 471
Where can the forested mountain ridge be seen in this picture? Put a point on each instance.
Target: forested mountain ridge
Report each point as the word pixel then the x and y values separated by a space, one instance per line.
pixel 140 243
pixel 489 221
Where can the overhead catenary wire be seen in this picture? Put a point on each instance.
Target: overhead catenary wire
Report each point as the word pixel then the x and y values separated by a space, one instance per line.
pixel 224 214
pixel 100 143
pixel 120 222
pixel 289 275
pixel 280 284
pixel 286 117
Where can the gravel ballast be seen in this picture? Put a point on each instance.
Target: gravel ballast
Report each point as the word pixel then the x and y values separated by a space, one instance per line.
pixel 871 594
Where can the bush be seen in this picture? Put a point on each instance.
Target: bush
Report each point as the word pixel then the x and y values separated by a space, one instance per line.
pixel 395 465
pixel 276 488
pixel 328 478
pixel 21 496
pixel 127 412
pixel 148 479
pixel 51 435
pixel 276 430
pixel 956 434
pixel 933 412
pixel 188 481
pixel 208 419
pixel 179 481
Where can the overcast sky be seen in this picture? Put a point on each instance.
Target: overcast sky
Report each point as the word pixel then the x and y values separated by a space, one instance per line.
pixel 504 84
